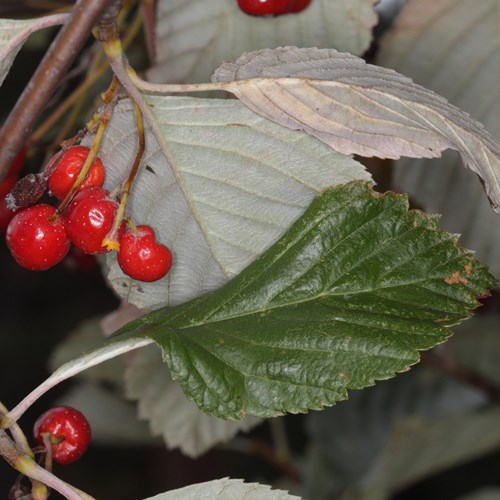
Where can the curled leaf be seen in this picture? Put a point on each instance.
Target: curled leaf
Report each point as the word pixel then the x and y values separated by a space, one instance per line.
pixel 358 108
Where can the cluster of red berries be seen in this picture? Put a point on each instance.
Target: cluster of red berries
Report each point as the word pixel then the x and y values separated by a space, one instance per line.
pixel 272 7
pixel 39 237
pixel 66 431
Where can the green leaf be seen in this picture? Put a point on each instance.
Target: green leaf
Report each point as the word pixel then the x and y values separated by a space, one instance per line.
pixel 347 296
pixel 179 421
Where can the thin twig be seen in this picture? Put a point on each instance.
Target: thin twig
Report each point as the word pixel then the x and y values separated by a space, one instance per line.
pixel 49 73
pixel 27 466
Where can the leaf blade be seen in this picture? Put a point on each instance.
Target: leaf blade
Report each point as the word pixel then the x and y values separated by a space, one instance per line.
pixel 303 323
pixel 223 184
pixel 193 38
pixel 358 108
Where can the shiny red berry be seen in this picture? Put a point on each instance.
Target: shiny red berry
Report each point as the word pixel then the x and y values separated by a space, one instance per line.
pixel 141 257
pixel 65 173
pixel 34 240
pixel 296 6
pixel 90 218
pixel 263 7
pixel 67 430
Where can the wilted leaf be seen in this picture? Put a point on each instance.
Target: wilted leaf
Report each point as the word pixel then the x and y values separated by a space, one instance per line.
pixel 232 185
pixel 347 296
pixel 170 414
pixel 453 48
pixel 359 108
pixel 225 489
pixel 13 34
pixel 194 37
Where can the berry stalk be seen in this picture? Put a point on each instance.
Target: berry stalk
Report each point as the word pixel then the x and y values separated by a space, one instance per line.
pixel 105 117
pixel 28 467
pixel 111 240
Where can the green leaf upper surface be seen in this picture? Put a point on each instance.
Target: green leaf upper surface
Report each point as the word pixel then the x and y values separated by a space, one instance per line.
pixel 347 296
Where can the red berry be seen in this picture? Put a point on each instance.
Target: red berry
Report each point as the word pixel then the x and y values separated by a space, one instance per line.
pixel 295 6
pixel 263 7
pixel 90 218
pixel 36 242
pixel 65 173
pixel 68 431
pixel 141 257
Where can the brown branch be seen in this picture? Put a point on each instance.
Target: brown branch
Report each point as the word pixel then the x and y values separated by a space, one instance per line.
pixel 46 78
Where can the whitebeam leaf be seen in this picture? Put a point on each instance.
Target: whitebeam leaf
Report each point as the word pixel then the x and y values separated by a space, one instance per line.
pixel 233 183
pixel 349 295
pixel 193 37
pixel 225 489
pixel 13 34
pixel 170 414
pixel 466 70
pixel 359 108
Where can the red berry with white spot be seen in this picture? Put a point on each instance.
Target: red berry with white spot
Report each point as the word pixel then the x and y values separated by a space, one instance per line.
pixel 90 218
pixel 69 166
pixel 35 240
pixel 67 430
pixel 263 7
pixel 141 257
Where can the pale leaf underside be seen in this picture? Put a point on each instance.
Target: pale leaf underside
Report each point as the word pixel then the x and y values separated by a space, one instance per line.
pixel 178 420
pixel 194 36
pixel 233 183
pixel 358 108
pixel 225 489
